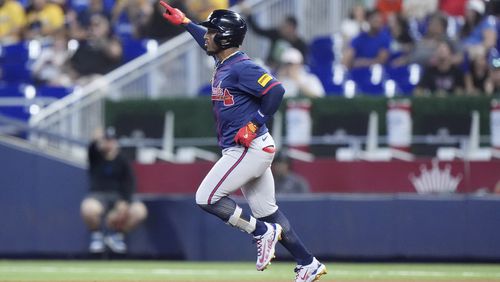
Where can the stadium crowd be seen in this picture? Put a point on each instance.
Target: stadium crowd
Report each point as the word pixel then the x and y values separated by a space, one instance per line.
pixel 453 42
pixel 78 39
pixel 443 47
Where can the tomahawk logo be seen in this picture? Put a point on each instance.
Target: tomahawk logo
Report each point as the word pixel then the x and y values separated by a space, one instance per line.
pixel 435 180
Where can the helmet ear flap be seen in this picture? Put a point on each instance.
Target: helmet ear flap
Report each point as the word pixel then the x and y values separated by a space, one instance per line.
pixel 218 39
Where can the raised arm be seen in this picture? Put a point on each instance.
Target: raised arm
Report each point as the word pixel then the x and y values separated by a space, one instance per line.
pixel 177 17
pixel 198 32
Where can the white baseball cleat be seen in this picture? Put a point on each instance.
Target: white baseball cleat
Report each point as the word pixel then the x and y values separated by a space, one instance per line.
pixel 266 245
pixel 311 272
pixel 96 243
pixel 116 242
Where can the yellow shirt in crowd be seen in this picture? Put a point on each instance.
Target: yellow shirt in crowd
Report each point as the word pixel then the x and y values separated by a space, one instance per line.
pixel 51 17
pixel 12 19
pixel 201 9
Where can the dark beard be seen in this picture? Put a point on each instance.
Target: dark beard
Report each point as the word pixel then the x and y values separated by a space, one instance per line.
pixel 213 52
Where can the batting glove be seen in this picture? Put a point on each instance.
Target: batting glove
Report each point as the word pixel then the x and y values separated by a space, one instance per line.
pixel 174 15
pixel 246 134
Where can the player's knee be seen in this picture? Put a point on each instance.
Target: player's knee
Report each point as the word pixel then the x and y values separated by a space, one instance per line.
pixel 91 208
pixel 201 198
pixel 138 211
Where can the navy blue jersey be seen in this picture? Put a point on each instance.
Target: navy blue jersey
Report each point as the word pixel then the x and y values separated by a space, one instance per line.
pixel 242 91
pixel 238 84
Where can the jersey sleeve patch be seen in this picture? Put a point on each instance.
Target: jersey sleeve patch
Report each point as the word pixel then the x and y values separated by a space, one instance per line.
pixel 264 80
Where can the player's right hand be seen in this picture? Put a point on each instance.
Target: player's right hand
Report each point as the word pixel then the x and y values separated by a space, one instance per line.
pixel 174 15
pixel 246 134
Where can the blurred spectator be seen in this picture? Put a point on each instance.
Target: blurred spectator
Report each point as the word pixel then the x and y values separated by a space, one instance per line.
pixel 402 43
pixel 419 9
pixel 478 34
pixel 12 21
pixel 129 15
pixel 454 8
pixel 99 53
pixel 44 19
pixel 370 47
pixel 296 79
pixel 79 22
pixel 389 7
pixel 476 76
pixel 154 26
pixel 285 180
pixel 496 189
pixel 492 85
pixel 283 37
pixel 494 9
pixel 112 186
pixel 426 47
pixel 354 24
pixel 443 77
pixel 200 9
pixel 51 67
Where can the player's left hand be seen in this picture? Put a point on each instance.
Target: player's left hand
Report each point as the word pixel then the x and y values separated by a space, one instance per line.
pixel 246 134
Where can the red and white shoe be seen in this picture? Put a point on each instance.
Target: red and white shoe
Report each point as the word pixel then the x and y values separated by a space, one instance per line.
pixel 311 272
pixel 266 245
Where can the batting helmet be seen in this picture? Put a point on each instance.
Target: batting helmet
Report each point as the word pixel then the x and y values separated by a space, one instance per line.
pixel 230 26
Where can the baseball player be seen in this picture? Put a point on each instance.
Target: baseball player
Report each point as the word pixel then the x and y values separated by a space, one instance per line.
pixel 244 97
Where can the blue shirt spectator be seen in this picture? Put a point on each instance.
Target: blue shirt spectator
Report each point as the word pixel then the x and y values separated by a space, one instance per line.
pixel 368 45
pixel 371 47
pixel 476 35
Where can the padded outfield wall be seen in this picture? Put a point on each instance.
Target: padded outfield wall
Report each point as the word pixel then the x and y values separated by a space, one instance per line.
pixel 39 216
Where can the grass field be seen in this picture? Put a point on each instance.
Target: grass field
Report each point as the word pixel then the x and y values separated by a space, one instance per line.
pixel 18 270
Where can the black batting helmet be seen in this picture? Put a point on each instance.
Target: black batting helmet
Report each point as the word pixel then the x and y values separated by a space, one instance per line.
pixel 230 26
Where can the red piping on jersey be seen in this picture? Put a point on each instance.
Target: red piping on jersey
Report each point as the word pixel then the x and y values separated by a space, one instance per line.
pixel 270 86
pixel 226 175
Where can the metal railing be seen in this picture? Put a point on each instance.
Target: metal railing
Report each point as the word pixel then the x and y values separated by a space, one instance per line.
pixel 177 67
pixel 10 127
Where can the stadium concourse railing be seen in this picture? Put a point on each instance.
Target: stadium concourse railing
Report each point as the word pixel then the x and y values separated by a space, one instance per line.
pixel 177 67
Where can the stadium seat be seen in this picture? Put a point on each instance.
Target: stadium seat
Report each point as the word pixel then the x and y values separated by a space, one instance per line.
pixel 11 90
pixel 133 48
pixel 16 112
pixel 14 60
pixel 16 73
pixel 321 51
pixel 13 111
pixel 14 53
pixel 404 77
pixel 53 91
pixel 368 80
pixel 498 37
pixel 205 90
pixel 321 59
